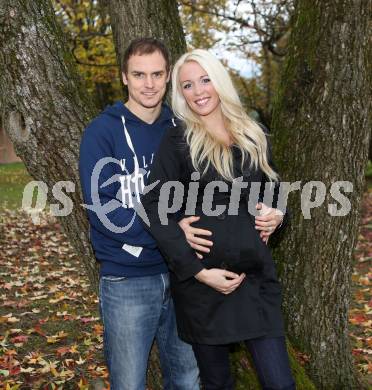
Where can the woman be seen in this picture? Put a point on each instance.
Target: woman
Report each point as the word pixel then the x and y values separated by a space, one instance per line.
pixel 232 294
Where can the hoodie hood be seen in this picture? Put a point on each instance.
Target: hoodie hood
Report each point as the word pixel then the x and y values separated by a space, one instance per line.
pixel 119 109
pixel 130 121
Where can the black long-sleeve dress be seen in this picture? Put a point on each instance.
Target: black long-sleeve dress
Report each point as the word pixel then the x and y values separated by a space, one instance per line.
pixel 203 314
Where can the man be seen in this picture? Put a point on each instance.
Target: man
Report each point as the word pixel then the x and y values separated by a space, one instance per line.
pixel 116 153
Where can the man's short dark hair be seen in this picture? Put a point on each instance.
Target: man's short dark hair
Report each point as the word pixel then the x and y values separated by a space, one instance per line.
pixel 142 46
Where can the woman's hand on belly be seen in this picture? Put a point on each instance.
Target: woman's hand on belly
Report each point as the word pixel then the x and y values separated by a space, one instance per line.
pixel 221 280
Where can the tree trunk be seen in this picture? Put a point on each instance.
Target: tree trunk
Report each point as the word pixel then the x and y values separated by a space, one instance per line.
pixel 132 19
pixel 44 106
pixel 321 128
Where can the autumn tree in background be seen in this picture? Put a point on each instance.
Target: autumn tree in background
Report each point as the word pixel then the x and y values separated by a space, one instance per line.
pixel 322 128
pixel 97 44
pixel 203 27
pixel 256 31
pixel 89 35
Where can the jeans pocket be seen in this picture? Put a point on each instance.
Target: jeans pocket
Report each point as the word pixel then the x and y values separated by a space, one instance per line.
pixel 113 279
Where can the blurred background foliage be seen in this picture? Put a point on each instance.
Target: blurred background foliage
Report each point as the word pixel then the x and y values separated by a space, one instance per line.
pixel 250 37
pixel 88 30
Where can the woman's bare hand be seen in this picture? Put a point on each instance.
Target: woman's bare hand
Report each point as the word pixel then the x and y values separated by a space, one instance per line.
pixel 221 280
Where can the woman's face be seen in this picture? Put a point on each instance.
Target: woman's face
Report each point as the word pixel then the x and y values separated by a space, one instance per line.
pixel 198 89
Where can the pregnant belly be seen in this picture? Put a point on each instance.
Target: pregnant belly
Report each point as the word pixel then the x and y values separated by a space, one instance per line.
pixel 237 245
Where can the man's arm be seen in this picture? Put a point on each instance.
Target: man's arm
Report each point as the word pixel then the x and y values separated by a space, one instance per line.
pixel 168 167
pixel 271 217
pixel 192 235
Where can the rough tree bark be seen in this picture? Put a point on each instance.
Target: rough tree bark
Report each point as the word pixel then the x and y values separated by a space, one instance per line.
pixel 44 106
pixel 146 18
pixel 321 128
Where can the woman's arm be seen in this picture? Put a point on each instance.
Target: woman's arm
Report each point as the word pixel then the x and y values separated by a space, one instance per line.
pixel 169 166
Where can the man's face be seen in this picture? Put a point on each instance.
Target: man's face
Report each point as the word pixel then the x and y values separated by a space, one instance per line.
pixel 146 79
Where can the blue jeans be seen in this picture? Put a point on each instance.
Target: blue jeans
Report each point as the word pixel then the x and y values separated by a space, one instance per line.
pixel 135 311
pixel 269 356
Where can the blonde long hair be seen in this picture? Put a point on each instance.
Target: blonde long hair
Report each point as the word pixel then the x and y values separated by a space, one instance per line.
pixel 245 133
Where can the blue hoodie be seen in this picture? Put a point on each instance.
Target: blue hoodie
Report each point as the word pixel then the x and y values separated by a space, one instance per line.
pixel 121 244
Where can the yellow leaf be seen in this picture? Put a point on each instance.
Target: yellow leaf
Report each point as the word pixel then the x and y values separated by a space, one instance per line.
pixel 54 371
pixel 74 349
pixel 87 342
pixel 8 387
pixel 82 385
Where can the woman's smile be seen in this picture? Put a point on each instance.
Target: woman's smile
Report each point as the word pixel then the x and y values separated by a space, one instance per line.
pixel 202 102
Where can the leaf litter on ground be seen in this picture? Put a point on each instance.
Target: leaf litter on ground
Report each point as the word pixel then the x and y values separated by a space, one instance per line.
pixel 50 333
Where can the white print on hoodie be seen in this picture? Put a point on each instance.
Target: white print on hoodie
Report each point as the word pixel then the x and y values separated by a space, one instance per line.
pixel 132 185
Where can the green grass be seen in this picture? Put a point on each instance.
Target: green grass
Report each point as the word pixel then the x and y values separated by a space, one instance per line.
pixel 369 175
pixel 369 172
pixel 369 169
pixel 13 178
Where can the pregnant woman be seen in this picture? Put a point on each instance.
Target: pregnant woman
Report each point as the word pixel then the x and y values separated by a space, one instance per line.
pixel 233 293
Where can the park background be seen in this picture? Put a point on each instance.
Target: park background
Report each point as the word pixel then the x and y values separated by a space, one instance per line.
pixel 299 67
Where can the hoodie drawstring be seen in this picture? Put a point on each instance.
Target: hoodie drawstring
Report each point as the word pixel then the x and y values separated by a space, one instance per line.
pixel 130 144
